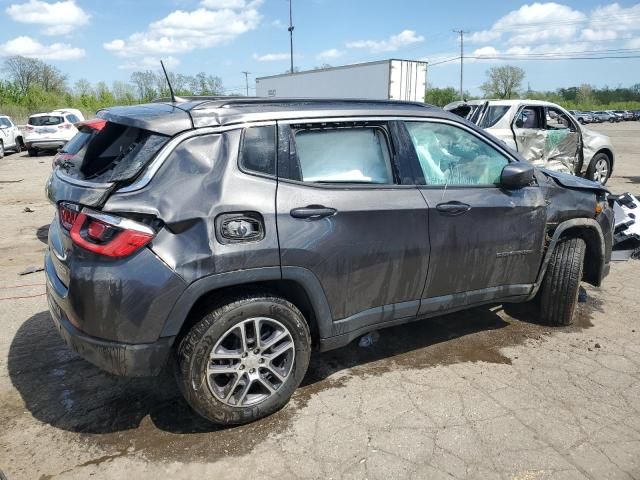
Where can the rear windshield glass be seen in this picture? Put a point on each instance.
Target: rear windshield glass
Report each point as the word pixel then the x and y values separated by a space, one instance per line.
pixel 78 141
pixel 115 153
pixel 46 120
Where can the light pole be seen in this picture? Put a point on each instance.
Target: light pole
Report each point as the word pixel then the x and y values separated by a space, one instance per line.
pixel 246 81
pixel 291 35
pixel 461 33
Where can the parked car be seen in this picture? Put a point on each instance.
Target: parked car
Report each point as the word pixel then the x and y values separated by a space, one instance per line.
pixel 617 116
pixel 10 136
pixel 543 133
pixel 603 116
pixel 625 114
pixel 79 142
pixel 235 235
pixel 636 114
pixel 582 117
pixel 50 131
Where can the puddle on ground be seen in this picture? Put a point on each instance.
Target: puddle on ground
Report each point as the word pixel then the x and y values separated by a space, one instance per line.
pixel 148 417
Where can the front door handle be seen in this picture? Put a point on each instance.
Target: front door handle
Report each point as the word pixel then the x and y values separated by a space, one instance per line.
pixel 453 208
pixel 313 212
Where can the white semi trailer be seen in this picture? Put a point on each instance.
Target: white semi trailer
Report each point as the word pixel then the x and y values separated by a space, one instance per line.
pixel 382 80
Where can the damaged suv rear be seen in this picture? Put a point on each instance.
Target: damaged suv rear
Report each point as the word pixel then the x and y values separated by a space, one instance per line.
pixel 228 237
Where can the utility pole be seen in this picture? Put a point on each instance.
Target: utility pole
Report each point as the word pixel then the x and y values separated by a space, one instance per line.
pixel 246 81
pixel 461 33
pixel 291 35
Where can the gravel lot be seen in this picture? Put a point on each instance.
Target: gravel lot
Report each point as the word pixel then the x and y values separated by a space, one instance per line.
pixel 476 394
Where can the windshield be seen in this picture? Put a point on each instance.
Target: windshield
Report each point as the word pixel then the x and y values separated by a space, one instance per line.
pixel 45 120
pixel 115 153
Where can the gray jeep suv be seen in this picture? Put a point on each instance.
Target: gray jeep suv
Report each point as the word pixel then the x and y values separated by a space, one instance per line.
pixel 228 237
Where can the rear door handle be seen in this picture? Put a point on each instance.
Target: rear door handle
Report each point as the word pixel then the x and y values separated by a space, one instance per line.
pixel 453 208
pixel 313 212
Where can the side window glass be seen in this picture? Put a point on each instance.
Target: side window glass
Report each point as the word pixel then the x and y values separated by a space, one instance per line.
pixel 343 155
pixel 72 118
pixel 258 150
pixel 452 156
pixel 529 118
pixel 558 120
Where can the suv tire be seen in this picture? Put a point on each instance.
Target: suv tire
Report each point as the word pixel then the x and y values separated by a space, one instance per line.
pixel 558 294
pixel 218 394
pixel 32 152
pixel 599 167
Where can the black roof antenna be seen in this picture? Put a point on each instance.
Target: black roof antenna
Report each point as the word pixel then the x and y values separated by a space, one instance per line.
pixel 174 99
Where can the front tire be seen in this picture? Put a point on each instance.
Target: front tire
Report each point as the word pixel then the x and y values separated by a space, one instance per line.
pixel 599 169
pixel 32 152
pixel 558 293
pixel 1 150
pixel 244 359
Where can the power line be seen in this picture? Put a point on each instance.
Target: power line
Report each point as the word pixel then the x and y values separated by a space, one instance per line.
pixel 515 58
pixel 452 59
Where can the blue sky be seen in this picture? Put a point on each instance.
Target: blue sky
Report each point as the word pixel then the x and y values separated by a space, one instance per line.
pixel 107 40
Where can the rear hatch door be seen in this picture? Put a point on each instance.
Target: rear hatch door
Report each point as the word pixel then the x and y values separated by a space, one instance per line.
pixel 114 155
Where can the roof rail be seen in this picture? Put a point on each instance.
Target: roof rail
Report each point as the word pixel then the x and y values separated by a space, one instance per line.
pixel 240 101
pixel 192 98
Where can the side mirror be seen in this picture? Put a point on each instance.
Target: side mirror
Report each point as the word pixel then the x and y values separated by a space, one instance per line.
pixel 516 175
pixel 519 123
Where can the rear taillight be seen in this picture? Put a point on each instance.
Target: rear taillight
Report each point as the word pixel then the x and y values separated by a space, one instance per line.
pixel 68 212
pixel 104 234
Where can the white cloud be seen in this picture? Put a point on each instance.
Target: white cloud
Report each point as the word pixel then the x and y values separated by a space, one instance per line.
pixel 485 52
pixel 611 22
pixel 534 23
pixel 151 63
pixel 271 57
pixel 393 43
pixel 184 31
pixel 220 4
pixel 633 43
pixel 59 18
pixel 28 47
pixel 331 53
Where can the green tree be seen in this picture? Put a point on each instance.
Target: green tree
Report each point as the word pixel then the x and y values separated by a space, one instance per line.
pixel 503 82
pixel 440 96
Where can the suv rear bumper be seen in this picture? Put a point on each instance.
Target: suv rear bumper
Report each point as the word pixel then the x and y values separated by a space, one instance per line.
pixel 131 360
pixel 116 357
pixel 45 144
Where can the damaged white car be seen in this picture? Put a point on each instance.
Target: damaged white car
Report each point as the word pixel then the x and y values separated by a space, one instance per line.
pixel 543 133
